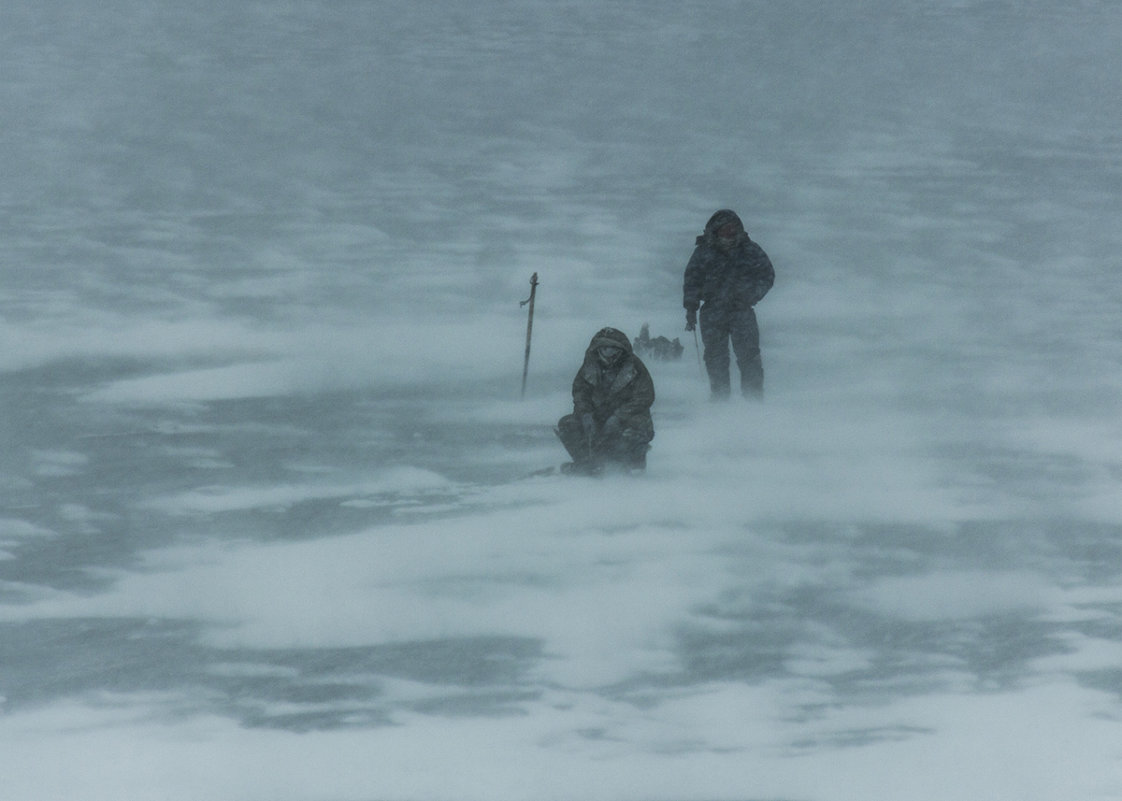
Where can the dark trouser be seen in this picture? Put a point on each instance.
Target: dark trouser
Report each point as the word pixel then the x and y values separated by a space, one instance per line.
pixel 718 327
pixel 628 447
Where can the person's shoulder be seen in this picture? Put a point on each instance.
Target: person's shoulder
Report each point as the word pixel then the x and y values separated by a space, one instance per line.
pixel 703 251
pixel 586 373
pixel 639 366
pixel 752 247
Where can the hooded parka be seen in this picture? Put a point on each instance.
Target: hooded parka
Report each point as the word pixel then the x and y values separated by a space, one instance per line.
pixel 726 277
pixel 612 399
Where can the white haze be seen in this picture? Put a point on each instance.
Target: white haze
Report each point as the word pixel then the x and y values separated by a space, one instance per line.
pixel 268 526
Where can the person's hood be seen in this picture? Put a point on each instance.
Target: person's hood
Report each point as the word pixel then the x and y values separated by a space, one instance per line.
pixel 721 217
pixel 718 219
pixel 611 337
pixel 590 369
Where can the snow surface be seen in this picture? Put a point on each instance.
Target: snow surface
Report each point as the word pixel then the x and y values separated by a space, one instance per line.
pixel 269 529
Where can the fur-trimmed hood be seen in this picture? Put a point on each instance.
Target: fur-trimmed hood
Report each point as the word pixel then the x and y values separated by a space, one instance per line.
pixel 624 370
pixel 608 337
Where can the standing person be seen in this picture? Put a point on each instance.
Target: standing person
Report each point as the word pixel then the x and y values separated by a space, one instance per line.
pixel 726 276
pixel 612 397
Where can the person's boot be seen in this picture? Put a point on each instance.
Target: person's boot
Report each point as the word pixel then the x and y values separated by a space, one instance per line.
pixel 585 467
pixel 752 379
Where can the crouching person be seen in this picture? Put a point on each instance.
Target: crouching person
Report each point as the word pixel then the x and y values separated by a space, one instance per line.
pixel 612 396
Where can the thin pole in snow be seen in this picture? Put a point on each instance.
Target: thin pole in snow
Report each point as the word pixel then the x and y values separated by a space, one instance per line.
pixel 697 350
pixel 529 329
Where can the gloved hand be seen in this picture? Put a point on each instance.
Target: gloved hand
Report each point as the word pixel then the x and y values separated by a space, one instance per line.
pixel 587 423
pixel 612 426
pixel 691 319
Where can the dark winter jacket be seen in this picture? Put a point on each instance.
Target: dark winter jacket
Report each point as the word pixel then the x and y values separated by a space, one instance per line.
pixel 624 390
pixel 730 279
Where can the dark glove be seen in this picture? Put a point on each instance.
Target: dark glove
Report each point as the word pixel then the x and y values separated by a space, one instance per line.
pixel 612 426
pixel 587 424
pixel 691 319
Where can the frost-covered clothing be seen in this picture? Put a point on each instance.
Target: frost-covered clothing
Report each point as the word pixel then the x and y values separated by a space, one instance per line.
pixel 612 398
pixel 726 276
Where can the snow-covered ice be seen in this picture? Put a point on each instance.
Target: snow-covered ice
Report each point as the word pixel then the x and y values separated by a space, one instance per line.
pixel 270 528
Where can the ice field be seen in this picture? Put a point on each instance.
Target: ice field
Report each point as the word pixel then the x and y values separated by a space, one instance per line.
pixel 269 530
